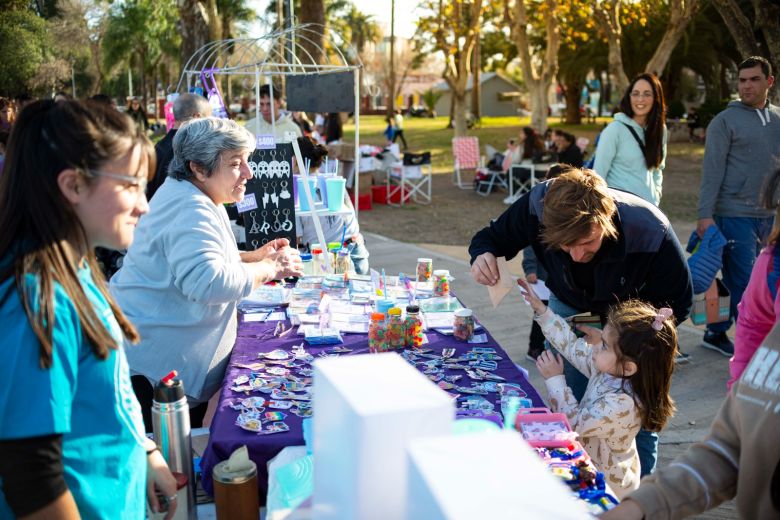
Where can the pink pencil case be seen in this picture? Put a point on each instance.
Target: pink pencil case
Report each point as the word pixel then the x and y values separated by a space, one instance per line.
pixel 542 428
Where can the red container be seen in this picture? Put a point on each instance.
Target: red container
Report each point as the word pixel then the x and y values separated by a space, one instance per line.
pixel 365 201
pixel 379 195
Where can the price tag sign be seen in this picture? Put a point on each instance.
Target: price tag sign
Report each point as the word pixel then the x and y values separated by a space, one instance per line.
pixel 247 204
pixel 265 142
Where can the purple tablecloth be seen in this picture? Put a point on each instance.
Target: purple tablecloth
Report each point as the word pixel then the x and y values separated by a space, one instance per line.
pixel 255 337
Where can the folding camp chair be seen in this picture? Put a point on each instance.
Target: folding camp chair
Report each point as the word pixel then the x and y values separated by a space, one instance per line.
pixel 465 150
pixel 494 178
pixel 411 179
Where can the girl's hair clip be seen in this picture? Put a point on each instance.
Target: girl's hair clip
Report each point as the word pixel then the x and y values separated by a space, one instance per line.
pixel 664 314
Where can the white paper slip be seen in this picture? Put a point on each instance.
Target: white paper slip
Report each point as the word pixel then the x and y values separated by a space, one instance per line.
pixel 436 320
pixel 541 290
pixel 248 318
pixel 276 316
pixel 351 326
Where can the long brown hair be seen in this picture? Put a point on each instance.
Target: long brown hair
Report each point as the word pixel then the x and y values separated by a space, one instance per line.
pixel 653 351
pixel 42 235
pixel 656 119
pixel 532 144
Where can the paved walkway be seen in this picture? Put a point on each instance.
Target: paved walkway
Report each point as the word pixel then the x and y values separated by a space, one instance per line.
pixel 698 387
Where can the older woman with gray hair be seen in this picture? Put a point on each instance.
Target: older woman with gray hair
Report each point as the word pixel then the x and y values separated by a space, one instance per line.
pixel 183 276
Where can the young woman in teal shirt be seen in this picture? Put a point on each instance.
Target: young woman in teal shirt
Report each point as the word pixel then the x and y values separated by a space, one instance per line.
pixel 72 442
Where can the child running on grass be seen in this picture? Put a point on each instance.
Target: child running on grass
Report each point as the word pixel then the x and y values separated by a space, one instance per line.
pixel 629 366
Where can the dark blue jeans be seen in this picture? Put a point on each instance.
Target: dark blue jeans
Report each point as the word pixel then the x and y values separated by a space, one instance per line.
pixel 646 441
pixel 746 236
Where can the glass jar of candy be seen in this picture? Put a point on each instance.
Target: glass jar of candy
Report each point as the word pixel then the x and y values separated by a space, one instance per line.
pixel 413 334
pixel 441 282
pixel 343 262
pixel 395 328
pixel 424 270
pixel 463 326
pixel 377 333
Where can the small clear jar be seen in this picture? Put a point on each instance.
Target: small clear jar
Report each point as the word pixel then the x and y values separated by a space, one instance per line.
pixel 377 333
pixel 307 264
pixel 441 282
pixel 343 263
pixel 424 270
pixel 318 262
pixel 413 334
pixel 395 328
pixel 463 325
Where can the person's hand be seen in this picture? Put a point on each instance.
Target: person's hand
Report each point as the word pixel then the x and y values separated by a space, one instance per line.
pixel 530 296
pixel 627 510
pixel 531 277
pixel 262 252
pixel 702 224
pixel 484 270
pixel 286 263
pixel 159 478
pixel 549 364
pixel 592 334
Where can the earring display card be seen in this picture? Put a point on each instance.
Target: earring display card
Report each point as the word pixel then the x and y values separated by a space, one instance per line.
pixel 271 184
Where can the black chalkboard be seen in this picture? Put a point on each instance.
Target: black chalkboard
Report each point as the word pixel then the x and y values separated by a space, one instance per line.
pixel 334 92
pixel 271 186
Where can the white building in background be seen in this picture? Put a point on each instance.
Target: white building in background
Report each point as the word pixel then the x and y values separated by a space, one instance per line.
pixel 499 95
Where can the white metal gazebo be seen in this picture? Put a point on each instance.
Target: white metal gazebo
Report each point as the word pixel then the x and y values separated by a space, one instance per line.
pixel 278 54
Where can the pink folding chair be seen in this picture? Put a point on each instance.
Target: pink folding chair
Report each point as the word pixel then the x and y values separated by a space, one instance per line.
pixel 465 150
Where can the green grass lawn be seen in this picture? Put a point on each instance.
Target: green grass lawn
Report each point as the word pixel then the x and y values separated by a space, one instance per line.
pixel 425 134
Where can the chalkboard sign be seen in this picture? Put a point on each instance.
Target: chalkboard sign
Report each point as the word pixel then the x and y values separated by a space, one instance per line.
pixel 334 92
pixel 269 205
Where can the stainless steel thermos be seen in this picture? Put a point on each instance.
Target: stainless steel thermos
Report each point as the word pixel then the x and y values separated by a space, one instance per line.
pixel 171 426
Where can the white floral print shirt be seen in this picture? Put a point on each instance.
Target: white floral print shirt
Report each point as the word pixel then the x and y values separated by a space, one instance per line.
pixel 607 419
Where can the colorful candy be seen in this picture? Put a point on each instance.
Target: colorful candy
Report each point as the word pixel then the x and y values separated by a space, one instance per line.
pixel 377 333
pixel 463 326
pixel 395 329
pixel 413 335
pixel 424 269
pixel 441 282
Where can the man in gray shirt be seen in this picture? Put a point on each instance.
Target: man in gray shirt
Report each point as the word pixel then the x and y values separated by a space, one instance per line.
pixel 743 147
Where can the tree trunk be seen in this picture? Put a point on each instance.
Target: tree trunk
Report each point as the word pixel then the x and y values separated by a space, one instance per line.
pixel 768 19
pixel 476 85
pixel 615 63
pixel 313 11
pixel 738 25
pixel 459 115
pixel 572 91
pixel 193 27
pixel 539 105
pixel 451 122
pixel 679 18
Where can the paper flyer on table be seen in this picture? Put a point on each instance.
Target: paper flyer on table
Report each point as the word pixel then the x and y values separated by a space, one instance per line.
pixel 541 290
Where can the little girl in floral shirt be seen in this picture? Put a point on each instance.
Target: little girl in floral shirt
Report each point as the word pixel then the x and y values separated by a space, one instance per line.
pixel 629 366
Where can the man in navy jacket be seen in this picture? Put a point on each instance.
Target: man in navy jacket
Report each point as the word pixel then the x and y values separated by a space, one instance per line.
pixel 599 246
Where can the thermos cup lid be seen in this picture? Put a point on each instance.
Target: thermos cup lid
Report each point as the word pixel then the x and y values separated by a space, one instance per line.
pixel 169 393
pixel 222 474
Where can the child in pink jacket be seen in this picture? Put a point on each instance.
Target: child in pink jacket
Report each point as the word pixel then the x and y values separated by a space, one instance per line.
pixel 758 311
pixel 759 308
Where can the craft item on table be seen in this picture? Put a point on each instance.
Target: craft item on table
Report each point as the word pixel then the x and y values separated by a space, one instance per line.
pixel 463 325
pixel 476 402
pixel 266 296
pixel 471 390
pixel 424 270
pixel 488 375
pixel 447 353
pixel 309 282
pixel 542 428
pixel 377 333
pixel 274 416
pixel 479 339
pixel 276 427
pixel 276 355
pixel 445 385
pixel 343 263
pixel 441 282
pixel 454 378
pixel 241 380
pixel 250 366
pixel 250 422
pixel 490 386
pixel 321 336
pixel 484 364
pixel 439 305
pixel 302 412
pixel 377 287
pixel 278 405
pixel 277 371
pixel 504 284
pixel 511 389
pixel 395 328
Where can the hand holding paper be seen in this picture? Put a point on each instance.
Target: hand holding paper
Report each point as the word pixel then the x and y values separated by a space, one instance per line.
pixel 504 284
pixel 530 296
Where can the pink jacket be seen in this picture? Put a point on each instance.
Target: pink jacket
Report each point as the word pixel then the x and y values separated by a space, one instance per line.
pixel 757 315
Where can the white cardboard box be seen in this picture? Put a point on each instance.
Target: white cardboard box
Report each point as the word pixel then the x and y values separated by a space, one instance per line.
pixel 494 475
pixel 367 410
